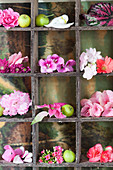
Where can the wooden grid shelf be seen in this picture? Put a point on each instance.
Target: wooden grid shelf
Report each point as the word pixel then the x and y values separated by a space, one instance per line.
pixel 34 82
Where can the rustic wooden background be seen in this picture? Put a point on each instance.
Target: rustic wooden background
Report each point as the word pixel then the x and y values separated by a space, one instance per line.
pixel 55 89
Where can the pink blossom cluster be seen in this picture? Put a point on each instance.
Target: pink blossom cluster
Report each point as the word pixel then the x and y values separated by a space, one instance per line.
pixel 88 62
pixel 96 153
pixel 17 156
pixel 55 62
pixel 52 157
pixel 9 18
pixel 14 64
pixel 15 103
pixel 100 104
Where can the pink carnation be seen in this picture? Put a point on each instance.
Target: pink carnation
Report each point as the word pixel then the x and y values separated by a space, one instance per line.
pixel 10 18
pixel 15 103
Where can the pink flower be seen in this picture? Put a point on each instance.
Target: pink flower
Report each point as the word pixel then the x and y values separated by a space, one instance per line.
pixel 94 153
pixel 50 162
pixel 4 66
pixel 43 151
pixel 47 157
pixel 17 102
pixel 61 68
pixel 108 110
pixel 9 154
pixel 59 159
pixel 58 148
pixel 55 109
pixel 109 148
pixel 1 17
pixel 96 110
pixel 54 154
pixel 10 18
pixel 56 59
pixel 17 58
pixel 69 65
pixel 40 160
pixel 106 156
pixel 47 65
pixel 85 111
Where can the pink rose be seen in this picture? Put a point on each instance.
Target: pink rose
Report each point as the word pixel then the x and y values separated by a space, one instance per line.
pixel 10 18
pixel 94 153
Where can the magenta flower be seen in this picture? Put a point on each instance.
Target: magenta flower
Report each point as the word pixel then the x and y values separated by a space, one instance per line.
pixel 19 68
pixel 56 59
pixel 43 151
pixel 40 160
pixel 17 156
pixel 50 162
pixel 3 66
pixel 17 58
pixel 54 154
pixel 10 18
pixel 15 103
pixel 59 159
pixel 47 157
pixel 61 68
pixel 47 65
pixel 69 65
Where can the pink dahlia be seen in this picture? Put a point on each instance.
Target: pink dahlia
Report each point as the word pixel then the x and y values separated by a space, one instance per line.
pixel 10 18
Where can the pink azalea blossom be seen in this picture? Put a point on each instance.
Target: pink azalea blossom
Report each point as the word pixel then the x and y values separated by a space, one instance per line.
pixel 16 156
pixel 47 65
pixel 47 157
pixel 59 159
pixel 94 153
pixel 61 68
pixel 15 103
pixel 56 59
pixel 17 58
pixel 10 18
pixel 69 65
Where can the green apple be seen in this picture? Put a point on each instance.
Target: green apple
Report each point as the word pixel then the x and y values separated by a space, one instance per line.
pixel 67 110
pixel 1 110
pixel 42 20
pixel 24 20
pixel 68 156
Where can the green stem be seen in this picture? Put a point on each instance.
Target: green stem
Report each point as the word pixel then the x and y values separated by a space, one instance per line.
pixel 48 16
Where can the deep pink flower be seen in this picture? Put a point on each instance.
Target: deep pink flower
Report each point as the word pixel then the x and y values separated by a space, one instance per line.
pixel 47 157
pixel 94 153
pixel 4 66
pixel 56 59
pixel 43 151
pixel 109 148
pixel 106 156
pixel 17 58
pixel 10 18
pixel 54 154
pixel 59 159
pixel 61 68
pixel 50 162
pixel 40 160
pixel 47 65
pixel 69 65
pixel 17 102
pixel 18 68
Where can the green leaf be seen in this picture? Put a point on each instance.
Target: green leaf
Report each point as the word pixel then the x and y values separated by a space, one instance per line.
pixel 39 117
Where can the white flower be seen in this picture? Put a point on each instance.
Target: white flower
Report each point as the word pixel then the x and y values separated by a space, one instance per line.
pixel 89 71
pixel 93 55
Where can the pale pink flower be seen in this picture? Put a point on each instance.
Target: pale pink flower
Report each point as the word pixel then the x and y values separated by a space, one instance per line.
pixel 15 103
pixel 96 110
pixel 89 71
pixel 93 55
pixel 83 61
pixel 9 153
pixel 108 110
pixel 47 65
pixel 85 111
pixel 97 98
pixel 10 18
pixel 59 159
pixel 17 58
pixel 94 153
pixel 47 157
pixel 56 59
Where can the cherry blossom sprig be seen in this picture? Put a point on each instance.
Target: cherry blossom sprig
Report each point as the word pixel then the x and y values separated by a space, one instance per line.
pixel 96 154
pixel 15 103
pixel 100 104
pixel 53 110
pixel 51 157
pixel 55 63
pixel 17 156
pixel 14 64
pixel 91 62
pixel 9 18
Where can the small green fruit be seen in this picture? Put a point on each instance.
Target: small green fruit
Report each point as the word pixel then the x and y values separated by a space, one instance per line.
pixel 42 20
pixel 67 110
pixel 24 20
pixel 69 156
pixel 1 110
